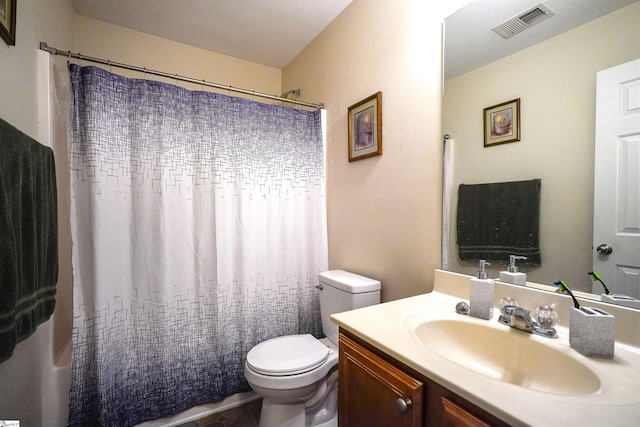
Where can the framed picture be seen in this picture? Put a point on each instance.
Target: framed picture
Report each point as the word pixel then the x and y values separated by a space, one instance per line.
pixel 502 123
pixel 8 21
pixel 365 128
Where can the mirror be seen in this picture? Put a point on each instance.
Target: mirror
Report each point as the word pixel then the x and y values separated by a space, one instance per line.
pixel 551 67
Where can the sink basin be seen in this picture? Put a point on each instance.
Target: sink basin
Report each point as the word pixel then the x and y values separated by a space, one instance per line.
pixel 508 355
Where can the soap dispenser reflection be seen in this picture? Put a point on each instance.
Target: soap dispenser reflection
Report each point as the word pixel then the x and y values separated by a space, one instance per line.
pixel 481 294
pixel 512 275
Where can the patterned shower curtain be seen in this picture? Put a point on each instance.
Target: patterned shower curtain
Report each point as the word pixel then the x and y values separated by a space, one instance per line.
pixel 199 228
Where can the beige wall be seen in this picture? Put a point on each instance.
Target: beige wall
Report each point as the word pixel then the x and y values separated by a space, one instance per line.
pixel 555 81
pixel 23 378
pixel 36 21
pixel 384 212
pixel 119 44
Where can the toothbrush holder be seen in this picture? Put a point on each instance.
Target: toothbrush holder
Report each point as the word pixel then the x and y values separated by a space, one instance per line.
pixel 592 332
pixel 623 300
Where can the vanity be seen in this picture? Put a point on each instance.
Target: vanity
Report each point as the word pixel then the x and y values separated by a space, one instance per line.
pixel 416 362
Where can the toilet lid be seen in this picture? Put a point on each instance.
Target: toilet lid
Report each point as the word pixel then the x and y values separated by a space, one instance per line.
pixel 287 355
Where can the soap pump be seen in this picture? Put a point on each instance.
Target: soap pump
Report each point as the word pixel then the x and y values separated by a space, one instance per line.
pixel 512 275
pixel 481 294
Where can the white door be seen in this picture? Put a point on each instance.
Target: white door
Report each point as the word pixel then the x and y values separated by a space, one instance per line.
pixel 616 222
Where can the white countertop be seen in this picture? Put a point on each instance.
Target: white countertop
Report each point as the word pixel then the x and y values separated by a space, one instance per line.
pixel 388 327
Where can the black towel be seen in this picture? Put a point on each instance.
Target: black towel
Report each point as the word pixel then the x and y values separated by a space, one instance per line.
pixel 28 236
pixel 499 219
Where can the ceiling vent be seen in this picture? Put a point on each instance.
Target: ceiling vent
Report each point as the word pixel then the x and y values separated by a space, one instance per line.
pixel 523 21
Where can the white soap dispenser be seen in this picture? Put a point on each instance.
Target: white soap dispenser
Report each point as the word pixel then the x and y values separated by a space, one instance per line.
pixel 512 275
pixel 481 294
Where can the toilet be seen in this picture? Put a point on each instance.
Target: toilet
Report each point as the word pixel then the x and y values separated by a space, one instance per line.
pixel 297 375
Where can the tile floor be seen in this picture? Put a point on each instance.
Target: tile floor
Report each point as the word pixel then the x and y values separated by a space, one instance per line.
pixel 243 416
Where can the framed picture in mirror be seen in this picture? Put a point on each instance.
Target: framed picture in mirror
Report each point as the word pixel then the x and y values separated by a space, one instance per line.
pixel 502 123
pixel 365 128
pixel 8 21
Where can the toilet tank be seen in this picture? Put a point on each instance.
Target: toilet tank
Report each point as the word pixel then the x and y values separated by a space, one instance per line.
pixel 344 291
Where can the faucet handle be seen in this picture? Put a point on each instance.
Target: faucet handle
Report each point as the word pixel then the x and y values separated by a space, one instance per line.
pixel 508 301
pixel 546 316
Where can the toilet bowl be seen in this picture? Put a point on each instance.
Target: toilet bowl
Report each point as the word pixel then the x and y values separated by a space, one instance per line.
pixel 297 375
pixel 288 372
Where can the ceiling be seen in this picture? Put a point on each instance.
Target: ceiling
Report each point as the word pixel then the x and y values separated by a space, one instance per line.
pixel 273 32
pixel 268 32
pixel 471 43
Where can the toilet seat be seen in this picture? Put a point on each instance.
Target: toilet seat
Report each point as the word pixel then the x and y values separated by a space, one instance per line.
pixel 287 355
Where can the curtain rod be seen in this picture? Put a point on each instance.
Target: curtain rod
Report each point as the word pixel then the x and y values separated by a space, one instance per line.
pixel 53 51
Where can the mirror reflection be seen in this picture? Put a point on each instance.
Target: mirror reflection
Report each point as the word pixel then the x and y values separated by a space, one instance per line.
pixel 551 67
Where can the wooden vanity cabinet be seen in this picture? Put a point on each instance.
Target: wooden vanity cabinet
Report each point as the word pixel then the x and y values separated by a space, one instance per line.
pixel 374 393
pixel 455 416
pixel 376 390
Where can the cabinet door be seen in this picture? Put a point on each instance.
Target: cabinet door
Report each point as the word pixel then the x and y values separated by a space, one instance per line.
pixel 374 393
pixel 455 416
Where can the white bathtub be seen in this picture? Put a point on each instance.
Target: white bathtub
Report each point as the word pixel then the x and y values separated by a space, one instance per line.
pixel 201 411
pixel 56 376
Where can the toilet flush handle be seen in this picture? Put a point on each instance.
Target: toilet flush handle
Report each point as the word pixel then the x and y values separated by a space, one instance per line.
pixel 319 286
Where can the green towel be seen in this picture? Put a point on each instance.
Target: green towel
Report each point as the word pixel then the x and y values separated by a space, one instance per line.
pixel 28 236
pixel 499 219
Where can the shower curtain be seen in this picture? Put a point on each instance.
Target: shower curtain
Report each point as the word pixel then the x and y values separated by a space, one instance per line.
pixel 199 228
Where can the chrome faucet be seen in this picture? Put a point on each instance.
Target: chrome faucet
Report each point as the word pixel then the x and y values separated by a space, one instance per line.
pixel 519 318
